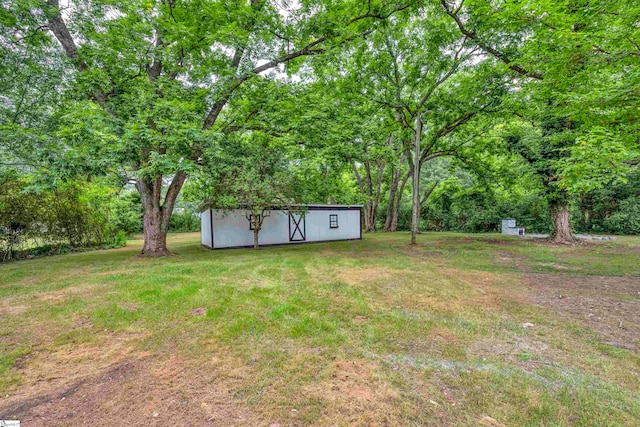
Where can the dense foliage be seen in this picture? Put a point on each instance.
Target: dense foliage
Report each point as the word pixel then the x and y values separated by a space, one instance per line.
pixel 70 217
pixel 524 109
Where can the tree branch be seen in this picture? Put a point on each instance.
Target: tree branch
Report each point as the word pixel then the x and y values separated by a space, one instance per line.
pixel 62 34
pixel 310 49
pixel 444 78
pixel 490 50
pixel 428 193
pixel 172 194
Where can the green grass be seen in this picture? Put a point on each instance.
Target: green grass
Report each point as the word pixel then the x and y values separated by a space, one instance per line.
pixel 438 325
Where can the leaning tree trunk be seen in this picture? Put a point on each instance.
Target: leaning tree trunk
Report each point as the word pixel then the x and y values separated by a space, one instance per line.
pixel 561 219
pixel 396 209
pixel 365 188
pixel 157 213
pixel 393 188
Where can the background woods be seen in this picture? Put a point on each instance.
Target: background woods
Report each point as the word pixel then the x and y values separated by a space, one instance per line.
pixel 529 110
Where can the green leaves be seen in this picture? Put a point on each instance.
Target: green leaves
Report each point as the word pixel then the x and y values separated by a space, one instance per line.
pixel 595 160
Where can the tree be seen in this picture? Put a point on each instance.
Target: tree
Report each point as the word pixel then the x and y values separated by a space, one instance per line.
pixel 162 74
pixel 252 171
pixel 417 64
pixel 577 65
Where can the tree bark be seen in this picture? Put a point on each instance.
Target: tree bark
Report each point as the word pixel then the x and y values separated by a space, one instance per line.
pixel 256 243
pixel 396 209
pixel 371 191
pixel 393 189
pixel 561 219
pixel 157 214
pixel 155 232
pixel 363 190
pixel 378 193
pixel 415 217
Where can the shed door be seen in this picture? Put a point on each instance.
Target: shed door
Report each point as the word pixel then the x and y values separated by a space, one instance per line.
pixel 297 227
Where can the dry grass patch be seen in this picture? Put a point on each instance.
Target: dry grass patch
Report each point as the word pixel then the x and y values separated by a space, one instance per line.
pixel 84 291
pixel 7 309
pixel 137 391
pixel 352 393
pixel 442 335
pixel 91 385
pixel 51 367
pixel 350 275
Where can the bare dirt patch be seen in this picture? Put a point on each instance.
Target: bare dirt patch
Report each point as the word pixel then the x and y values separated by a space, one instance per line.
pixel 135 392
pixel 46 369
pixel 7 309
pixel 200 311
pixel 355 395
pixel 509 259
pixel 610 305
pixel 442 335
pixel 99 384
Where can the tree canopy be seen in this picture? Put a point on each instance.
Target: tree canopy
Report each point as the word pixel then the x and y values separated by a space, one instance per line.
pixel 318 101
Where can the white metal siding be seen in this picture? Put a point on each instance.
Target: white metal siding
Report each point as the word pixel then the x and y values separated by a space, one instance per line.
pixel 231 229
pixel 205 228
pixel 318 225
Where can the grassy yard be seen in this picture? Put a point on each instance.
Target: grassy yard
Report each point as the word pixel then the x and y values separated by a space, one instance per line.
pixel 371 332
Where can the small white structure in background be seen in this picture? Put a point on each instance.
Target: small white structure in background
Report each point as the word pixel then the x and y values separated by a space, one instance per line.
pixel 509 228
pixel 291 225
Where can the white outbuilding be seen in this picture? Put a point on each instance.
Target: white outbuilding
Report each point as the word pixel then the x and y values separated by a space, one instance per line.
pixel 233 228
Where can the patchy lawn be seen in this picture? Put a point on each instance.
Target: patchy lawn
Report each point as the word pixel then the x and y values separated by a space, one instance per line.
pixel 366 332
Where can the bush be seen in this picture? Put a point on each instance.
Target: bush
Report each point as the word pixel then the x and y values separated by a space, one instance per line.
pixel 72 216
pixel 119 239
pixel 185 221
pixel 125 213
pixel 626 219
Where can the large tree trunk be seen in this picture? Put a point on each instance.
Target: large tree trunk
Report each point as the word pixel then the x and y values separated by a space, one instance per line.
pixel 157 214
pixel 155 232
pixel 561 219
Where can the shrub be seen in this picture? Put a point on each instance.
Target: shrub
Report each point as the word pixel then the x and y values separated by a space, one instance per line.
pixel 184 221
pixel 72 216
pixel 119 239
pixel 626 219
pixel 125 213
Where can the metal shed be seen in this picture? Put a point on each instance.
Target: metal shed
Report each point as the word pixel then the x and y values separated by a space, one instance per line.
pixel 224 228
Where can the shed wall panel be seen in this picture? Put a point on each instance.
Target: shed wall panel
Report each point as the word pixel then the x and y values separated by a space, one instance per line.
pixel 205 229
pixel 318 229
pixel 231 228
